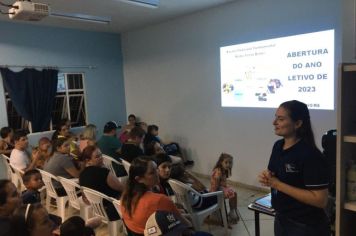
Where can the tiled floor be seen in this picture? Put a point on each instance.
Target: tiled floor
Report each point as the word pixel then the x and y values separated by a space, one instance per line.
pixel 245 227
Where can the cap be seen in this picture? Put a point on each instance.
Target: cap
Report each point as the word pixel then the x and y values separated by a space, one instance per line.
pixel 110 125
pixel 164 223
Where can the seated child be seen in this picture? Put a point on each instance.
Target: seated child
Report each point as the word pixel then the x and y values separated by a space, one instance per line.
pixel 44 151
pixel 32 179
pixel 221 172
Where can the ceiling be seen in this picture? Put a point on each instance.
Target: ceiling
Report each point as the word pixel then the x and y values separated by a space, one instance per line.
pixel 124 16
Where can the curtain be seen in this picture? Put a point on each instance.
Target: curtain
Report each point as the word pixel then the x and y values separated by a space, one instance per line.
pixel 32 93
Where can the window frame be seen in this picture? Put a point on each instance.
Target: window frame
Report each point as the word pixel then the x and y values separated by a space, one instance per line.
pixel 66 93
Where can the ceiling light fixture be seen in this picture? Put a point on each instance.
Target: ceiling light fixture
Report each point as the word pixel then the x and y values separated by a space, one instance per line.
pixel 143 3
pixel 82 17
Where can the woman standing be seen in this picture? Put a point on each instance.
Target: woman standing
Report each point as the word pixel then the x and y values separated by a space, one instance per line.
pixel 297 174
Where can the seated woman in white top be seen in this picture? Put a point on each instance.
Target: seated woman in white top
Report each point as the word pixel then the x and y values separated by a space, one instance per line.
pixel 19 157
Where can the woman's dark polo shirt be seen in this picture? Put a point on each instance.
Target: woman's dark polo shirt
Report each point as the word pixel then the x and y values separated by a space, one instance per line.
pixel 301 166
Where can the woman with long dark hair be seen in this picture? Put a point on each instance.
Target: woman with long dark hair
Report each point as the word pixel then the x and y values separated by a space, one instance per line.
pixel 138 201
pixel 297 174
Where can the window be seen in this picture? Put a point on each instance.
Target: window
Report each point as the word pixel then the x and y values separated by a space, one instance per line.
pixel 70 90
pixel 69 103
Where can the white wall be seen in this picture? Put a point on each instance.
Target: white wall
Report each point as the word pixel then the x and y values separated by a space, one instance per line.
pixel 171 73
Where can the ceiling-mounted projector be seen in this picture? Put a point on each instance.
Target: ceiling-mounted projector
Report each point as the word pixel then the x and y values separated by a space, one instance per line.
pixel 31 11
pixel 25 10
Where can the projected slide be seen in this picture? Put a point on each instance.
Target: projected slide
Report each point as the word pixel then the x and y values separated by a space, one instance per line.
pixel 269 72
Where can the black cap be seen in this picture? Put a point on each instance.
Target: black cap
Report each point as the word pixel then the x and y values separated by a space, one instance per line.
pixel 164 223
pixel 110 126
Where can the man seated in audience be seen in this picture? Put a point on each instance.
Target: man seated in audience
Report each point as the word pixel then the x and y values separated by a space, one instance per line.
pixel 19 157
pixel 110 146
pixel 32 179
pixel 131 149
pixel 6 142
pixel 9 200
pixel 108 143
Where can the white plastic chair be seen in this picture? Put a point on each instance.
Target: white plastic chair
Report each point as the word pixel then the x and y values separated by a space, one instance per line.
pixel 96 201
pixel 117 205
pixel 18 174
pixel 126 165
pixel 72 189
pixel 51 193
pixel 107 161
pixel 183 192
pixel 9 172
pixel 14 174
